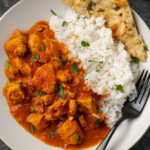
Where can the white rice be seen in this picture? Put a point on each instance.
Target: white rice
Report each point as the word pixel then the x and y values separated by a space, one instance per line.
pixel 116 68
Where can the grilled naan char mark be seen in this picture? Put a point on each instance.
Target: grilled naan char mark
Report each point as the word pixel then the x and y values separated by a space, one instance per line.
pixel 119 18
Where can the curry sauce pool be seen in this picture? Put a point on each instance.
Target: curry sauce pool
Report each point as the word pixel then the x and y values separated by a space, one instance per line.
pixel 46 92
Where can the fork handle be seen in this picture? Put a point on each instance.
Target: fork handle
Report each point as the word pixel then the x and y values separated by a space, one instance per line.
pixel 105 142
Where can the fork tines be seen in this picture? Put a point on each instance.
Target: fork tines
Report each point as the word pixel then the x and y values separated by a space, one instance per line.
pixel 143 88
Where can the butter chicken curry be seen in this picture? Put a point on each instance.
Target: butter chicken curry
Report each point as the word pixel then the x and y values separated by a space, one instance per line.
pixel 46 92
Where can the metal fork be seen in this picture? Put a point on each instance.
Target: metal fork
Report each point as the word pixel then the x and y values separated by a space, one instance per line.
pixel 132 109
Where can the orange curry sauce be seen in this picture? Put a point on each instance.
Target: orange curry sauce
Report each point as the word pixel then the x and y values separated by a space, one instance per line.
pixel 22 69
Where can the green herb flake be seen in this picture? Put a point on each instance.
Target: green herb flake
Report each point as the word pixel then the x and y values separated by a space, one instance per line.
pixel 90 5
pixel 64 61
pixel 64 23
pixel 135 60
pixel 12 80
pixel 97 70
pixel 84 44
pixel 92 99
pixel 52 134
pixel 101 62
pixel 21 85
pixel 75 68
pixel 97 122
pixel 53 13
pixel 56 88
pixel 64 96
pixel 93 61
pixel 7 64
pixel 35 95
pixel 99 110
pixel 79 139
pixel 36 57
pixel 108 63
pixel 31 128
pixel 42 93
pixel 120 88
pixel 38 47
pixel 116 8
pixel 61 90
pixel 33 109
pixel 44 47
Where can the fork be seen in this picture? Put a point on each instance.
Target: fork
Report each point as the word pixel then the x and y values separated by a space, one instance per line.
pixel 131 109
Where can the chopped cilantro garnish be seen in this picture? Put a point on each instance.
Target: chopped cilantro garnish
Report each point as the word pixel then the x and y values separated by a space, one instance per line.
pixel 33 109
pixel 75 68
pixel 64 23
pixel 93 61
pixel 84 44
pixel 36 57
pixel 92 99
pixel 44 48
pixel 97 122
pixel 99 110
pixel 64 96
pixel 135 60
pixel 31 128
pixel 53 13
pixel 61 91
pixel 90 5
pixel 42 93
pixel 35 95
pixel 64 61
pixel 7 64
pixel 21 85
pixel 38 47
pixel 120 88
pixel 101 62
pixel 11 80
pixel 52 134
pixel 79 139
pixel 116 8
pixel 56 88
pixel 97 70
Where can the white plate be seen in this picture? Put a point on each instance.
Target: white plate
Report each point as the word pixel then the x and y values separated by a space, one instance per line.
pixel 22 16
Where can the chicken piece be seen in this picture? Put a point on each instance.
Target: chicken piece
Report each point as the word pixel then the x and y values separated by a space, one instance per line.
pixel 10 73
pixel 71 132
pixel 56 110
pixel 87 102
pixel 44 78
pixel 16 46
pixel 48 34
pixel 38 121
pixel 34 42
pixel 70 94
pixel 82 121
pixel 56 62
pixel 64 49
pixel 72 107
pixel 64 75
pixel 37 46
pixel 20 66
pixel 48 99
pixel 39 27
pixel 53 47
pixel 39 105
pixel 15 92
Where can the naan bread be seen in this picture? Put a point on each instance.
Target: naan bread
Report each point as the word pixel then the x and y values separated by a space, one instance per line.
pixel 119 18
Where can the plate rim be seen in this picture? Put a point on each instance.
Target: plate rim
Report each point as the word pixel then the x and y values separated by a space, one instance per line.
pixel 145 128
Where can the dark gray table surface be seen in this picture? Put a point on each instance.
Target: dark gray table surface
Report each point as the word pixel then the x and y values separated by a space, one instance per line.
pixel 142 7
